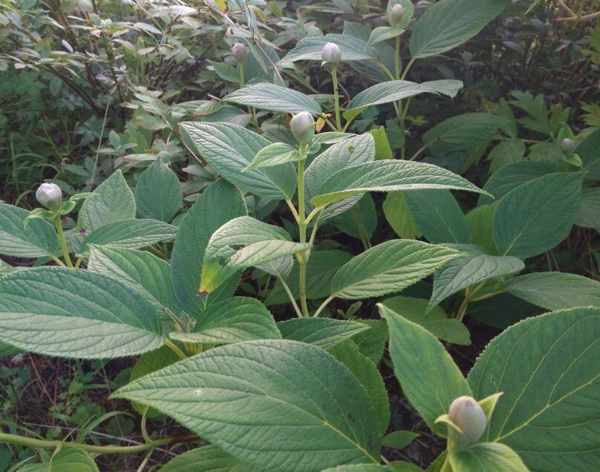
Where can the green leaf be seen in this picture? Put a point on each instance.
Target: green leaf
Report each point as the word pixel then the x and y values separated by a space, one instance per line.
pixel 399 439
pixel 372 342
pixel 538 215
pixel 383 33
pixel 353 49
pixel 388 176
pixel 220 393
pixel 438 216
pixel 547 368
pixel 320 269
pixel 360 221
pixel 193 234
pixel 450 23
pixel 388 267
pixel 399 217
pixel 241 243
pixel 589 213
pixel 158 193
pixel 491 457
pixel 229 148
pixel 272 97
pixel 231 321
pixel 588 153
pixel 436 321
pixel 505 153
pixel 129 234
pixel 323 332
pixel 360 468
pixel 465 272
pixel 75 313
pixel 205 459
pixel 556 290
pixel 140 270
pixel 274 154
pixel 368 375
pixel 481 222
pixel 385 92
pixel 463 132
pixel 429 377
pixel 447 87
pixel 112 201
pixel 70 459
pixel 37 239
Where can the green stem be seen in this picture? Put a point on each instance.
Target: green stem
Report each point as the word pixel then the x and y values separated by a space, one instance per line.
pixel 408 66
pixel 63 241
pixel 175 349
pixel 397 58
pixel 290 295
pixel 241 68
pixel 323 305
pixel 302 257
pixel 336 96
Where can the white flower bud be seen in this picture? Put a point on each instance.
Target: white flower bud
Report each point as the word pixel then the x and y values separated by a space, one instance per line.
pixel 239 52
pixel 49 195
pixel 303 127
pixel 396 14
pixel 331 53
pixel 468 415
pixel 567 146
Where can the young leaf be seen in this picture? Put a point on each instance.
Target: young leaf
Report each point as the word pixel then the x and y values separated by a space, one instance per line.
pixel 353 49
pixel 435 321
pixel 491 457
pixel 438 216
pixel 219 394
pixel 75 313
pixel 37 239
pixel 399 439
pixel 388 267
pixel 450 23
pixel 388 176
pixel 158 193
pixel 429 377
pixel 241 243
pixel 205 459
pixel 537 215
pixel 274 154
pixel 383 33
pixel 112 201
pixel 71 459
pixel 556 290
pixel 129 234
pixel 229 148
pixel 232 321
pixel 193 234
pixel 272 97
pixel 466 272
pixel 322 332
pixel 547 369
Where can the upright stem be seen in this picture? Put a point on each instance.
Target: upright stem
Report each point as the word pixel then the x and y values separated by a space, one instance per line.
pixel 241 68
pixel 303 256
pixel 397 58
pixel 63 241
pixel 336 96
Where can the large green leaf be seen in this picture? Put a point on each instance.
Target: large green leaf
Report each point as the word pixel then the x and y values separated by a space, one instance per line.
pixel 438 216
pixel 129 234
pixel 272 97
pixel 537 215
pixel 76 313
pixel 322 332
pixel 474 269
pixel 37 239
pixel 372 342
pixel 450 23
pixel 229 148
pixel 218 203
pixel 388 267
pixel 353 49
pixel 590 157
pixel 158 193
pixel 436 321
pixel 589 213
pixel 140 270
pixel 241 243
pixel 219 395
pixel 388 176
pixel 112 201
pixel 488 457
pixel 231 321
pixel 547 368
pixel 204 459
pixel 397 214
pixel 556 290
pixel 429 377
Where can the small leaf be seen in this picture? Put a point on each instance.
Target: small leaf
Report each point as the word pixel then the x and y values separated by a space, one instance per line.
pixel 71 459
pixel 399 439
pixel 158 193
pixel 272 97
pixel 383 33
pixel 205 459
pixel 397 214
pixel 274 155
pixel 322 332
pixel 353 49
pixel 36 239
pixel 491 457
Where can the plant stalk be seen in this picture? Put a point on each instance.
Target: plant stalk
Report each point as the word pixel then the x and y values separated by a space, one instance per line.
pixel 336 97
pixel 302 257
pixel 63 241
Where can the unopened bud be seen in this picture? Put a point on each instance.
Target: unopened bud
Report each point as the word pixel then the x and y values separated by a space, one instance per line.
pixel 303 127
pixel 468 415
pixel 239 52
pixel 49 195
pixel 567 146
pixel 331 53
pixel 395 15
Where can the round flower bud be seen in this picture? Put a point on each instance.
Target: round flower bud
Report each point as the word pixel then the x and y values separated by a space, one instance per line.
pixel 303 127
pixel 468 415
pixel 49 195
pixel 239 52
pixel 395 15
pixel 567 146
pixel 331 53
